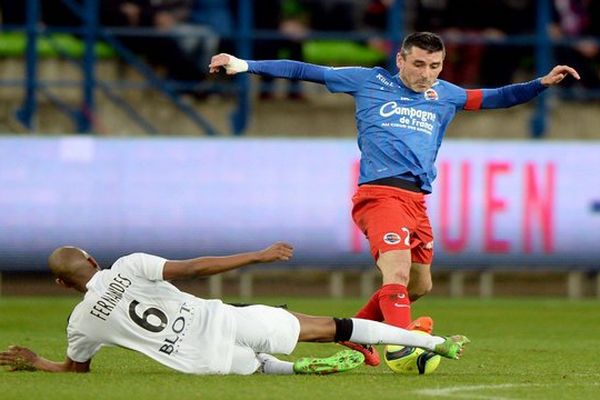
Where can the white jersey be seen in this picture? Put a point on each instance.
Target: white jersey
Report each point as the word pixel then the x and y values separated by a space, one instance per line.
pixel 131 306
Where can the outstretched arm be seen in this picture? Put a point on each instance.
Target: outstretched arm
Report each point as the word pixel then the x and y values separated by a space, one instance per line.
pixel 511 95
pixel 276 68
pixel 204 266
pixel 18 358
pixel 557 74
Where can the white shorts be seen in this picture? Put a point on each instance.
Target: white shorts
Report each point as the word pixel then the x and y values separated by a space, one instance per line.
pixel 261 329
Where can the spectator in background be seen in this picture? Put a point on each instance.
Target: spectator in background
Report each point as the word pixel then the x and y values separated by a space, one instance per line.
pixel 501 60
pixel 217 15
pixel 289 18
pixel 579 20
pixel 369 18
pixel 463 24
pixel 375 18
pixel 333 15
pixel 57 13
pixel 474 31
pixel 12 12
pixel 431 15
pixel 183 54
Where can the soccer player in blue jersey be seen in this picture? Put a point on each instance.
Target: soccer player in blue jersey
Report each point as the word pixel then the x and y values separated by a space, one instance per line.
pixel 401 120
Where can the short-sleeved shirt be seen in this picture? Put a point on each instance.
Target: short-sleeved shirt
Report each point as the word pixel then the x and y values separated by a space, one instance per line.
pixel 131 306
pixel 399 130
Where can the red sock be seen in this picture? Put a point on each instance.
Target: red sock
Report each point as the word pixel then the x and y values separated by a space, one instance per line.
pixel 395 304
pixel 371 310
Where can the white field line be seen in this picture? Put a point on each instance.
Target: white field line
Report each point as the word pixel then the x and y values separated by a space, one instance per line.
pixel 465 392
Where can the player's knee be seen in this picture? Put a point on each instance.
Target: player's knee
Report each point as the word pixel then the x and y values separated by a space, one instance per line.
pixel 400 276
pixel 397 274
pixel 420 290
pixel 395 266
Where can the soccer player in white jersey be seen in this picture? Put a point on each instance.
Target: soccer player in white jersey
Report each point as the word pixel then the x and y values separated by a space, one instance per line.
pixel 132 305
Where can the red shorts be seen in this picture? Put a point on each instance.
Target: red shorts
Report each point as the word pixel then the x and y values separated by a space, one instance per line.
pixel 394 219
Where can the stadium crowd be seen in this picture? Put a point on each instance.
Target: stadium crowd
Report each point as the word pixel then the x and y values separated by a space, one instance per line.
pixel 477 33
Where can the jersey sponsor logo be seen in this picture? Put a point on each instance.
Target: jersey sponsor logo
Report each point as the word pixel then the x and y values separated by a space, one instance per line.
pixel 411 118
pixel 392 238
pixel 392 108
pixel 155 320
pixel 395 238
pixel 177 332
pixel 431 94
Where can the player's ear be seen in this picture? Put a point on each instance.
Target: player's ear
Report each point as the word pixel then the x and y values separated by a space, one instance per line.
pixel 94 263
pixel 399 60
pixel 62 283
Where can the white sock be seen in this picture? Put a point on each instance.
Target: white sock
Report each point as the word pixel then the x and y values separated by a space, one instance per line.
pixel 372 332
pixel 271 365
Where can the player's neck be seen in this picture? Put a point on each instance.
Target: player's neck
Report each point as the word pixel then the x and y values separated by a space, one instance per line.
pixel 81 284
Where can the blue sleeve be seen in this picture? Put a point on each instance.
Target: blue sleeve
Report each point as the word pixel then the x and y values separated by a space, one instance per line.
pixel 511 95
pixel 288 69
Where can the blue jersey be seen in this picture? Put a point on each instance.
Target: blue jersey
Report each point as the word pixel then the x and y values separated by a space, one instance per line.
pixel 399 130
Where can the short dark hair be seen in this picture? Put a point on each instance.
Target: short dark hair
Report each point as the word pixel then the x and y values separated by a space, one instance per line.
pixel 428 41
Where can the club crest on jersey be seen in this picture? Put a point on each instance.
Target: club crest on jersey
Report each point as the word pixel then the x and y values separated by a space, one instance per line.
pixel 392 238
pixel 431 94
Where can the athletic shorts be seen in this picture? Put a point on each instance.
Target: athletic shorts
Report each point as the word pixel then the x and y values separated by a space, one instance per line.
pixel 262 329
pixel 394 219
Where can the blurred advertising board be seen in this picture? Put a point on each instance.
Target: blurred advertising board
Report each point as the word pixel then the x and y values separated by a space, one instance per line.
pixel 495 203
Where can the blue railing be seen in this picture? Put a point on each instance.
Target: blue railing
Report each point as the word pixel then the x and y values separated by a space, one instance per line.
pixel 91 32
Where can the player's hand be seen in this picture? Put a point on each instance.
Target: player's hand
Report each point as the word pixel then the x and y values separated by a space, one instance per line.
pixel 559 73
pixel 279 251
pixel 18 359
pixel 231 64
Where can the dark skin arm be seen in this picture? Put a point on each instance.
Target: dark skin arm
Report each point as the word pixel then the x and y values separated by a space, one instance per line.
pixel 205 266
pixel 17 358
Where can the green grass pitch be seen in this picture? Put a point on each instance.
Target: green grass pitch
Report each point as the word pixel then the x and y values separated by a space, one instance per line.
pixel 521 349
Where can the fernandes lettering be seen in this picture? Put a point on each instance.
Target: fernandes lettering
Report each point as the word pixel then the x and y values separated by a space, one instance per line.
pixel 109 300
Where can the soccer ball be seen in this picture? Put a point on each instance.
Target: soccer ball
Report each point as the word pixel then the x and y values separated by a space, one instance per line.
pixel 411 360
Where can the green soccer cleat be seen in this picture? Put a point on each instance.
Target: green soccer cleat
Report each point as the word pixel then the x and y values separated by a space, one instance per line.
pixel 344 360
pixel 452 347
